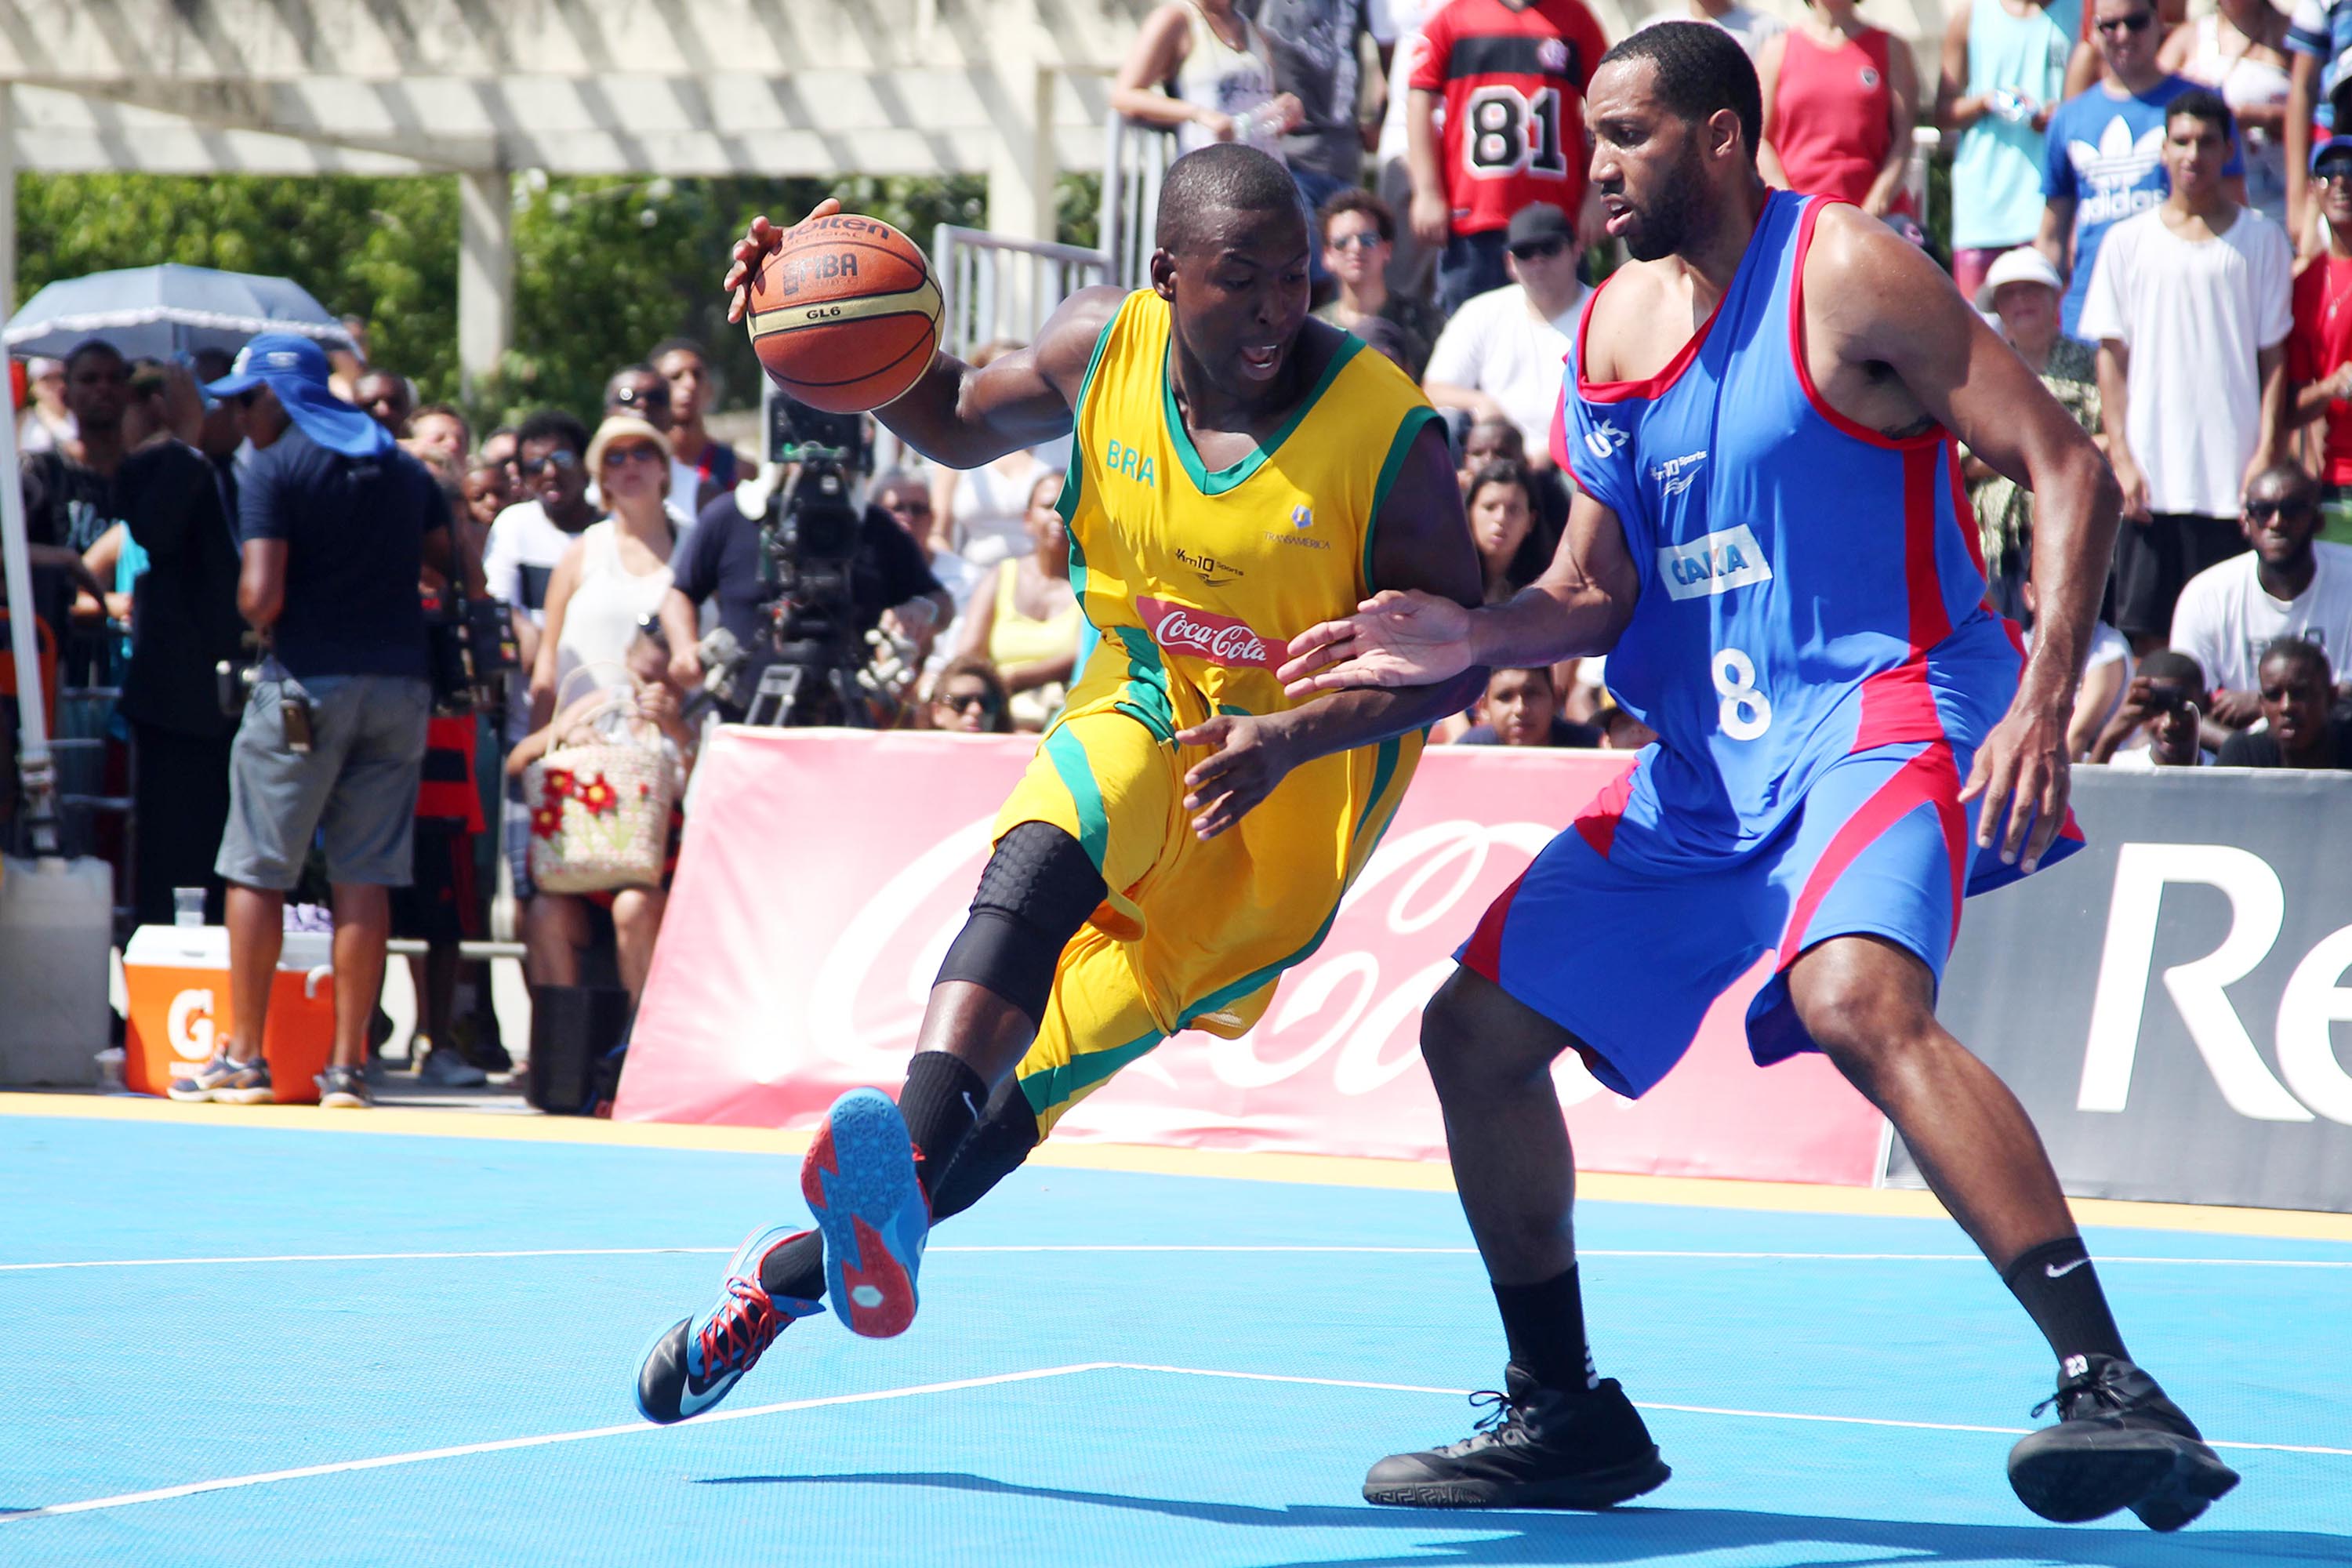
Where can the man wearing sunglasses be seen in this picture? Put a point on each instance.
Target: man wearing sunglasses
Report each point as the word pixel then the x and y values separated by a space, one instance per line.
pixel 1500 357
pixel 2103 157
pixel 2290 584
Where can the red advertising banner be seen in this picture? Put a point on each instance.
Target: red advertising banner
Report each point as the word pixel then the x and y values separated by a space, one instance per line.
pixel 825 872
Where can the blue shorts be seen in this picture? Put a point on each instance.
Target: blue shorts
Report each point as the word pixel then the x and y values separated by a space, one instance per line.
pixel 1630 960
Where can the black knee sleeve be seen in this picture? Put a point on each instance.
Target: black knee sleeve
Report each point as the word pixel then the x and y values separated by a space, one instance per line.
pixel 1037 890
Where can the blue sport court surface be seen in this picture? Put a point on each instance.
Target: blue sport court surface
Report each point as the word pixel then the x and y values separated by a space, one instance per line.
pixel 238 1343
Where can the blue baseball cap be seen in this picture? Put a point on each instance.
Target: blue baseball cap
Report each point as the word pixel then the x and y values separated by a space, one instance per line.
pixel 2333 145
pixel 295 368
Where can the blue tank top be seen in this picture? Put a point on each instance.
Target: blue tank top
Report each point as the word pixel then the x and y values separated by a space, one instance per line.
pixel 1810 588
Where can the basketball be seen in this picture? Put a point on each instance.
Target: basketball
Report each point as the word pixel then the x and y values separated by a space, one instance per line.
pixel 845 316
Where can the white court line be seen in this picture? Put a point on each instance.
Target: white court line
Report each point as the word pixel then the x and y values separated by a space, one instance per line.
pixel 385 1461
pixel 1696 1409
pixel 1151 1247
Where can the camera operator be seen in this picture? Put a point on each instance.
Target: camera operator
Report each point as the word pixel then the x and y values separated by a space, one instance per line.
pixel 337 521
pixel 178 499
pixel 891 580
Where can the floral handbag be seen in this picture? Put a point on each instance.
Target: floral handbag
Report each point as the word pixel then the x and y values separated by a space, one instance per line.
pixel 600 809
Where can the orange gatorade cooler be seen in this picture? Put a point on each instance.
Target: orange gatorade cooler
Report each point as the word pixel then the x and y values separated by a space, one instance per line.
pixel 178 979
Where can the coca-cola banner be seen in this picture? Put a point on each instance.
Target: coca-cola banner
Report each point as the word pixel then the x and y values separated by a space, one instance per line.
pixel 824 873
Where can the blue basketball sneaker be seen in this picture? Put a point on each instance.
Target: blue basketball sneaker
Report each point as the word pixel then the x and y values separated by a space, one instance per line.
pixel 693 1363
pixel 859 1180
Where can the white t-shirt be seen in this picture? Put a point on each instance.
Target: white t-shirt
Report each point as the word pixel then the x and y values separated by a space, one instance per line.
pixel 2224 620
pixel 2107 646
pixel 1496 344
pixel 1402 20
pixel 1754 29
pixel 523 551
pixel 2142 760
pixel 2193 315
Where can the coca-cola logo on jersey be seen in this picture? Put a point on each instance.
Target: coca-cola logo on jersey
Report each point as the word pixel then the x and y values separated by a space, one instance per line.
pixel 1220 639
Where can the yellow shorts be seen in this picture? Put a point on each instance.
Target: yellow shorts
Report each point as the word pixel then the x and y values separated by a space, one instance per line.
pixel 1192 934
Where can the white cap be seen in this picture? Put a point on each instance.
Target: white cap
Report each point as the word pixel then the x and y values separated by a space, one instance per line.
pixel 2022 265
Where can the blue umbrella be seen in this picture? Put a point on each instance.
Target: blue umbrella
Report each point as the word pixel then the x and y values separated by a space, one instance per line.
pixel 154 312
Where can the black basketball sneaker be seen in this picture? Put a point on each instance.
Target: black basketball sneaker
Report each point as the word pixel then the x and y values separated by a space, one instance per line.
pixel 1536 1448
pixel 2119 1443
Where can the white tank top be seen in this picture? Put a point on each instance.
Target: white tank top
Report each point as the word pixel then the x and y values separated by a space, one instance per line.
pixel 601 617
pixel 989 508
pixel 1217 76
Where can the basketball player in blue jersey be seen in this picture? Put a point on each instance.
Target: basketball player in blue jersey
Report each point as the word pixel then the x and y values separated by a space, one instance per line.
pixel 1771 549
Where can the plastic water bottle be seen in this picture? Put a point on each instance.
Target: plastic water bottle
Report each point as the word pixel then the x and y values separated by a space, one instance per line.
pixel 187 906
pixel 2003 103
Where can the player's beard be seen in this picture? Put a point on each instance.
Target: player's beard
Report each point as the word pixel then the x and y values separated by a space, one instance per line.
pixel 1668 220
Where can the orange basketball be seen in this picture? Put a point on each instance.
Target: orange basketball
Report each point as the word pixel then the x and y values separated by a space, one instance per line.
pixel 845 316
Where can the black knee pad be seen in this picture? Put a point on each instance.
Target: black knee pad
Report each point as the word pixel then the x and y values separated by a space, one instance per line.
pixel 1037 890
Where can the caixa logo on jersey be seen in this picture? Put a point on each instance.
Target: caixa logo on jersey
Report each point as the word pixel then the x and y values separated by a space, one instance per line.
pixel 2309 1080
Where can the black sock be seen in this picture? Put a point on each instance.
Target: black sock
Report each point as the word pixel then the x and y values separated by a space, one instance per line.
pixel 795 1268
pixel 1545 1325
pixel 2059 1289
pixel 941 1102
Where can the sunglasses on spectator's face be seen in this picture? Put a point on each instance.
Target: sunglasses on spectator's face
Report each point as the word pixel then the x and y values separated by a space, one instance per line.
pixel 1541 250
pixel 966 701
pixel 2137 22
pixel 639 453
pixel 2263 511
pixel 248 398
pixel 2334 169
pixel 1364 241
pixel 559 460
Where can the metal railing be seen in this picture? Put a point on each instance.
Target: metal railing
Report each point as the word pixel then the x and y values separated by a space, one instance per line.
pixel 1135 157
pixel 993 287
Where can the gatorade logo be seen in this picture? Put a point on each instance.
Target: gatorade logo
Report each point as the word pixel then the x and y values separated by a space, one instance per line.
pixel 188 1025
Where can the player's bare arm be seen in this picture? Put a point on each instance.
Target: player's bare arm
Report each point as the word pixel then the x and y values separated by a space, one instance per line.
pixel 1421 549
pixel 1892 346
pixel 956 414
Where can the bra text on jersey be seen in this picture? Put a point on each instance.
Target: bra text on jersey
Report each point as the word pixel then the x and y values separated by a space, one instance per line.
pixel 1129 463
pixel 1713 563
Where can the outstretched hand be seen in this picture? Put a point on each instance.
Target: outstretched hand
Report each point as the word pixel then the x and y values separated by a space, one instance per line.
pixel 761 240
pixel 1408 638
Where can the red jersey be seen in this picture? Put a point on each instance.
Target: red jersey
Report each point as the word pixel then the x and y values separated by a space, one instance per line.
pixel 1514 88
pixel 1832 120
pixel 2317 348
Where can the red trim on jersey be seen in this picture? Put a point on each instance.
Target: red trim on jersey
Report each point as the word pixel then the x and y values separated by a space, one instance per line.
pixel 1597 822
pixel 1814 207
pixel 1928 779
pixel 1963 515
pixel 1897 707
pixel 1655 385
pixel 1483 953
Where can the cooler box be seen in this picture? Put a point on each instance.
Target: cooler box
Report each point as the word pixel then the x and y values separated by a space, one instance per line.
pixel 178 979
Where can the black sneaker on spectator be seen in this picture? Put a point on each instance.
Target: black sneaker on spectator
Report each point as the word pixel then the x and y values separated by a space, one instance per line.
pixel 443 1068
pixel 478 1044
pixel 197 1083
pixel 342 1088
pixel 248 1084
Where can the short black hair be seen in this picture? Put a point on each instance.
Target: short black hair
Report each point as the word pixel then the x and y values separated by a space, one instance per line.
pixel 669 346
pixel 1356 199
pixel 1701 70
pixel 556 426
pixel 2296 650
pixel 2293 481
pixel 2205 104
pixel 88 346
pixel 2171 664
pixel 1224 176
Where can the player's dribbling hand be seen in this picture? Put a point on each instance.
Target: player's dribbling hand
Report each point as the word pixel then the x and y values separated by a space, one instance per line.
pixel 1394 638
pixel 761 240
pixel 2023 774
pixel 1249 760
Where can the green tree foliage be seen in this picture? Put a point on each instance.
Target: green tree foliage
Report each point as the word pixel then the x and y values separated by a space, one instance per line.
pixel 604 268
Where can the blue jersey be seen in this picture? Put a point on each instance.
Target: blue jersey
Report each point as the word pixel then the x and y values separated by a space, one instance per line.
pixel 1810 588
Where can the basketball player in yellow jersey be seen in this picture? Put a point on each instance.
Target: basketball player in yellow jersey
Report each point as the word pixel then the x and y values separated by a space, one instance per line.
pixel 1185 832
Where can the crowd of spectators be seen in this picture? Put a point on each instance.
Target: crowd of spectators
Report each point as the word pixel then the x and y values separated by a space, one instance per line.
pixel 2158 222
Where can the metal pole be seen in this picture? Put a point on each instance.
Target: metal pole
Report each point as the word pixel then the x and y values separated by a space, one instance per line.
pixel 24 639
